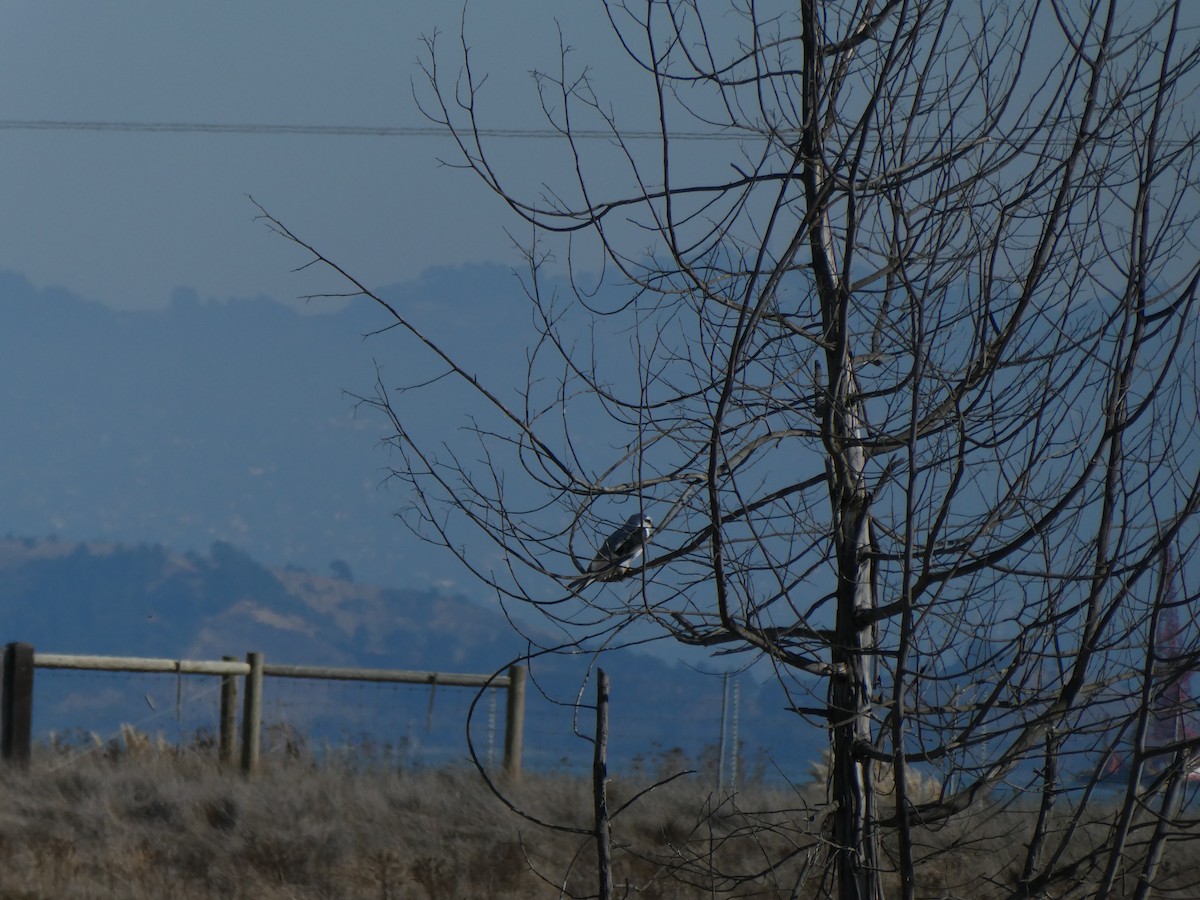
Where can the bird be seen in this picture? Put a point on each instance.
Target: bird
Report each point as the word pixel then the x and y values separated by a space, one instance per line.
pixel 618 553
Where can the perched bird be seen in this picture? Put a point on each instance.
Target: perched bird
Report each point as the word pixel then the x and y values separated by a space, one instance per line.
pixel 618 554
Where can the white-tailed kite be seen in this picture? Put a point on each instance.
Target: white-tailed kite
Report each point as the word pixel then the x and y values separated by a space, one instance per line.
pixel 618 554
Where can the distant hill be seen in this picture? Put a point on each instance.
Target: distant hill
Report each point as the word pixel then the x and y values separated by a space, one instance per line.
pixel 136 600
pixel 233 421
pixel 145 600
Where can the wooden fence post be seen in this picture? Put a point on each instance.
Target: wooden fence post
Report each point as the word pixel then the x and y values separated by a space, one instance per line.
pixel 514 722
pixel 17 714
pixel 252 715
pixel 600 790
pixel 228 737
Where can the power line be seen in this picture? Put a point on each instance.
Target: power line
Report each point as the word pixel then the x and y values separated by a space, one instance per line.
pixel 346 130
pixel 440 131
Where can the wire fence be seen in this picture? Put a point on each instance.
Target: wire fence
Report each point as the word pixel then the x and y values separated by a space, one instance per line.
pixel 320 724
pixel 403 725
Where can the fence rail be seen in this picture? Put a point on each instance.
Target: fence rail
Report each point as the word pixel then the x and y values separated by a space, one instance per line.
pixel 20 661
pixel 138 664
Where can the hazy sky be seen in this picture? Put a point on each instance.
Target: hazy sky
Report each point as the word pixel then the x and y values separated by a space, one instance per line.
pixel 126 216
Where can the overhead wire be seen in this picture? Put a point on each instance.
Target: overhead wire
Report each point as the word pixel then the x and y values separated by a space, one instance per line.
pixel 425 131
pixel 343 130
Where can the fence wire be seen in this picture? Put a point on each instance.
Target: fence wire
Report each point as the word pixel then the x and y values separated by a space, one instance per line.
pixel 401 725
pixel 398 725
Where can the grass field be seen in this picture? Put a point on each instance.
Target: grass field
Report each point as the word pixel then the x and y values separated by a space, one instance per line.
pixel 139 822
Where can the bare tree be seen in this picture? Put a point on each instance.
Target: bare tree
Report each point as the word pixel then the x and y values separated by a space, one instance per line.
pixel 901 360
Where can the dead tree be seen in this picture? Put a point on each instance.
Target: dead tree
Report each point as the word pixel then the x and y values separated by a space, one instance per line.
pixel 891 316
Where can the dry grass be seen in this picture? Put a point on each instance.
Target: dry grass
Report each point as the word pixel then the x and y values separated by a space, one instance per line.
pixel 140 821
pixel 153 824
pixel 160 825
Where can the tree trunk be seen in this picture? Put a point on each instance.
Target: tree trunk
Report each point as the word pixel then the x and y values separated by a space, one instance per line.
pixel 856 844
pixel 855 838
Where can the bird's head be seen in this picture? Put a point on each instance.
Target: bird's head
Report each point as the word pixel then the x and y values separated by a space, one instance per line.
pixel 640 522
